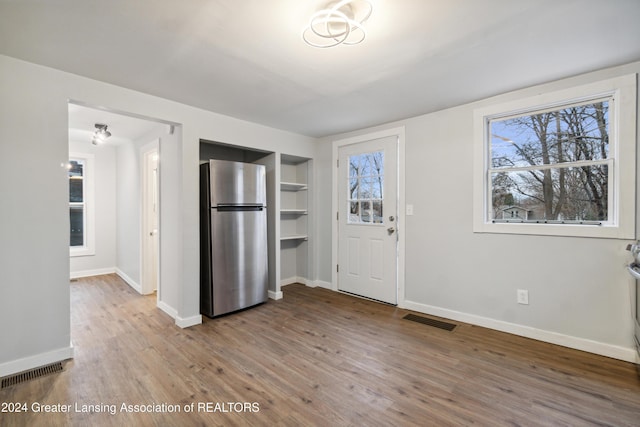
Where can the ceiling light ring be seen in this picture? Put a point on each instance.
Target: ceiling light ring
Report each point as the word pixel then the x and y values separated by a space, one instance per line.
pixel 327 16
pixel 320 18
pixel 351 27
pixel 348 3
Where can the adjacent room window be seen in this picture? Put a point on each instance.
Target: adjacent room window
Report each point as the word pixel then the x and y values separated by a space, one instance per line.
pixel 366 182
pixel 81 222
pixel 77 205
pixel 559 164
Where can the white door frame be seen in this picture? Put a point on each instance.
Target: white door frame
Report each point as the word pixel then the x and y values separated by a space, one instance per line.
pixel 399 132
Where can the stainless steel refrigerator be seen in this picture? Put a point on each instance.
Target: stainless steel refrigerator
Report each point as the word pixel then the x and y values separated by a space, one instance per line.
pixel 233 236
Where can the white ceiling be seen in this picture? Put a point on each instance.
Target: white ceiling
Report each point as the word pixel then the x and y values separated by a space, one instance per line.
pixel 246 58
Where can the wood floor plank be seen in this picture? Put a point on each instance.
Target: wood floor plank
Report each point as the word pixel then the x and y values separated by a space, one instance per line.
pixel 315 358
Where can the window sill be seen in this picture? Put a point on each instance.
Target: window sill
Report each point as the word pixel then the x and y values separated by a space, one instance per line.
pixel 565 230
pixel 78 252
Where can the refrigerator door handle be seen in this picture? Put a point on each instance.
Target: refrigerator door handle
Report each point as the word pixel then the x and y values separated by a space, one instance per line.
pixel 238 208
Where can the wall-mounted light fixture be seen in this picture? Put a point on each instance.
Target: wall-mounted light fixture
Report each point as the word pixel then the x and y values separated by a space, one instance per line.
pixel 100 134
pixel 338 23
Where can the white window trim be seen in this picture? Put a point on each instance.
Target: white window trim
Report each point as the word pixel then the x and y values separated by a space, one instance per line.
pixel 89 247
pixel 623 149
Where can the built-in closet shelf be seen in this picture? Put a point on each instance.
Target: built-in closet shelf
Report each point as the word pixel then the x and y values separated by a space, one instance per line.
pixel 292 186
pixel 293 211
pixel 296 212
pixel 295 237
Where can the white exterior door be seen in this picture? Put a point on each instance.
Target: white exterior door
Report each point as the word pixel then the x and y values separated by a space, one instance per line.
pixel 367 219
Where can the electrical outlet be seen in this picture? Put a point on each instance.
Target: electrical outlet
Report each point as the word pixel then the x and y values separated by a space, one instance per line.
pixel 523 296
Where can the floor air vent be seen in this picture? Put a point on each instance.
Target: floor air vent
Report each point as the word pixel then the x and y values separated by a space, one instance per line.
pixel 32 374
pixel 431 322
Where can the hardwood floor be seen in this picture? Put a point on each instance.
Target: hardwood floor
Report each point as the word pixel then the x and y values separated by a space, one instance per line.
pixel 314 358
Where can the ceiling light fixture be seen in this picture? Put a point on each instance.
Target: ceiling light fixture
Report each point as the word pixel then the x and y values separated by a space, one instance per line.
pixel 100 134
pixel 338 23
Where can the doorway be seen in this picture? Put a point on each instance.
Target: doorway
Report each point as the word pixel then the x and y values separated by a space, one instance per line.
pixel 126 194
pixel 368 232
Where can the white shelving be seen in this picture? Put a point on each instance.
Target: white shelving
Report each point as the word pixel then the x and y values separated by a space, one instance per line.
pixel 293 212
pixel 295 237
pixel 294 219
pixel 292 186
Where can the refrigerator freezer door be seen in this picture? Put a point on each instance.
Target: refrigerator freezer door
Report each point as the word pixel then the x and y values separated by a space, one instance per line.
pixel 239 264
pixel 235 183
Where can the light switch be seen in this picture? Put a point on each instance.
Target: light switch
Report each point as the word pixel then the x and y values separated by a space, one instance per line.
pixel 409 210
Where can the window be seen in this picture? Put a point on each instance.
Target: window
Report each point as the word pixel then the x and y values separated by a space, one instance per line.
pixel 366 182
pixel 559 164
pixel 81 222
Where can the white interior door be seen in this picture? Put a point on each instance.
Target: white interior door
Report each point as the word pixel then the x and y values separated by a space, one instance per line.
pixel 367 216
pixel 150 221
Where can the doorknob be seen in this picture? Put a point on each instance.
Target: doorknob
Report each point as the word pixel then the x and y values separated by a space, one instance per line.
pixel 390 230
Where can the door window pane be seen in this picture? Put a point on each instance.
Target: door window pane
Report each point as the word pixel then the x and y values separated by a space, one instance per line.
pixel 366 182
pixel 377 212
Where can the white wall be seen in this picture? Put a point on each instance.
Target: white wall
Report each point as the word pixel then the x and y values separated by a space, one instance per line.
pixel 105 211
pixel 578 287
pixel 34 252
pixel 128 212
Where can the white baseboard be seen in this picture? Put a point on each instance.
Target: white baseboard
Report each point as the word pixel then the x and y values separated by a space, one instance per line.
pixel 135 285
pixel 291 280
pixel 181 322
pixel 185 322
pixel 36 361
pixel 321 284
pixel 608 350
pixel 88 273
pixel 168 309
pixel 275 295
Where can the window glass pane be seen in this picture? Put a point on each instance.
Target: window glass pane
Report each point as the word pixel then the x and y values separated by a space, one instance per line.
pixel 354 165
pixel 353 188
pixel 365 188
pixel 376 187
pixel 377 163
pixel 76 215
pixel 567 194
pixel 76 173
pixel 569 134
pixel 377 211
pixel 354 212
pixel 365 212
pixel 365 165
